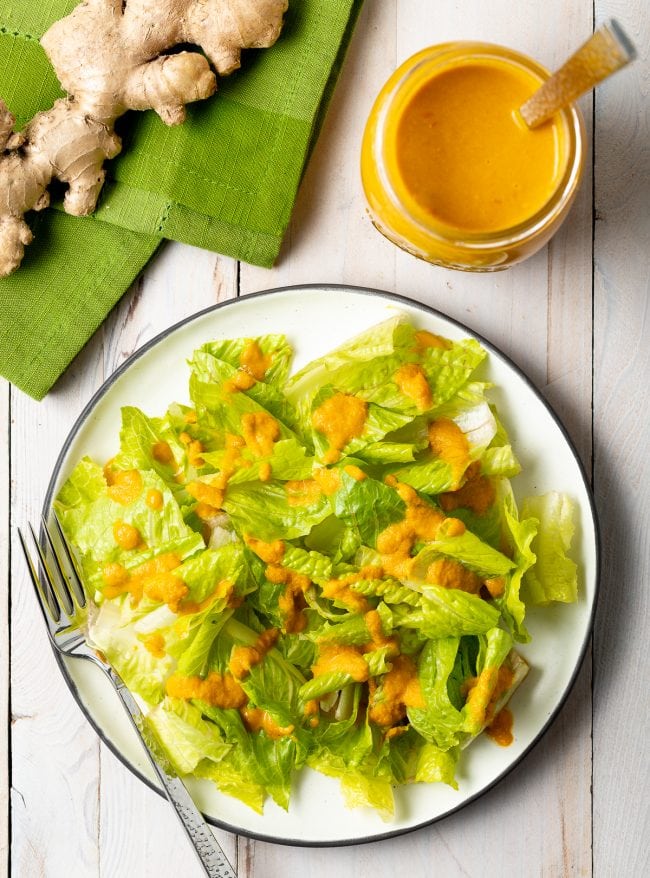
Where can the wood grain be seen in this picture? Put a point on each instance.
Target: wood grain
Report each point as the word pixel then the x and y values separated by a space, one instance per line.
pixel 54 751
pixel 5 446
pixel 621 467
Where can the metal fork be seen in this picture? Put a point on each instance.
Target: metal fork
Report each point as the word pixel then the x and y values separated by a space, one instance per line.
pixel 62 600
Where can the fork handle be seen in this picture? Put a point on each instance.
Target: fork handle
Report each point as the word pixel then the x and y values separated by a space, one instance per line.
pixel 208 850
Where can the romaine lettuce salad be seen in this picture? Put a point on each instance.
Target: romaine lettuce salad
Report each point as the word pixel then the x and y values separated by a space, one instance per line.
pixel 327 569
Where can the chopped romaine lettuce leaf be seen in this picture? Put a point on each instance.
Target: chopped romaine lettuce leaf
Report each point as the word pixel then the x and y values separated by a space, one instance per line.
pixel 283 587
pixel 554 577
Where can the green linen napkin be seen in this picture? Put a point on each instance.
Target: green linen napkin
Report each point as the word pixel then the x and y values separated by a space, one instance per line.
pixel 225 180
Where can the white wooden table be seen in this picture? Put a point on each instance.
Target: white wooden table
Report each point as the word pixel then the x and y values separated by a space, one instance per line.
pixel 576 318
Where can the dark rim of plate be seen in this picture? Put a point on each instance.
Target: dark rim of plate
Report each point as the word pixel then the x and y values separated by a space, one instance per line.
pixel 395 297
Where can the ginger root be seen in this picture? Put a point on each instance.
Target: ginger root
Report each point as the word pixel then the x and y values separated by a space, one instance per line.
pixel 109 55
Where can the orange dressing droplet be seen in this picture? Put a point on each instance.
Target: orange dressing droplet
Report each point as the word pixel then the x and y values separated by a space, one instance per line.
pixel 500 729
pixel 154 499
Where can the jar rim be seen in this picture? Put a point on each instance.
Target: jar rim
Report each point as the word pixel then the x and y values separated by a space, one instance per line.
pixel 563 193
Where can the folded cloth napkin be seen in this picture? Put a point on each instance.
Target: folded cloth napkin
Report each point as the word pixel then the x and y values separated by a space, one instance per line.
pixel 225 180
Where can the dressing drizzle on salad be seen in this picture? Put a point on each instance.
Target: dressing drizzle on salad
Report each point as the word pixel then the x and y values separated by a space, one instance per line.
pixel 328 569
pixel 340 419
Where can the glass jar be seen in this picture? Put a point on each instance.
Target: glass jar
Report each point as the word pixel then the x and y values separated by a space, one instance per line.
pixel 451 172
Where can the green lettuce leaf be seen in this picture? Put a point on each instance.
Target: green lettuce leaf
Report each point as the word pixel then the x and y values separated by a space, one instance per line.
pixel 275 346
pixel 440 722
pixel 362 790
pixel 87 515
pixel 138 437
pixel 265 510
pixel 447 612
pixel 554 577
pixel 367 506
pixel 288 461
pixel 470 551
pixel 333 537
pixel 186 737
pixel 495 646
pixel 520 536
pixel 346 749
pixel 222 410
pixel 379 422
pixel 113 631
pixel 345 365
pixel 437 766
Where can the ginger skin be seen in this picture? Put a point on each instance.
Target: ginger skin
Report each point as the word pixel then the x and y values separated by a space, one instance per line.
pixel 108 56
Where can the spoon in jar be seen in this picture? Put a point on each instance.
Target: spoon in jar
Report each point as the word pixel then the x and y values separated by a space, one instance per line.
pixel 605 52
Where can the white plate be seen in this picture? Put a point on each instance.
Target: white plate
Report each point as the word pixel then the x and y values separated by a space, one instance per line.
pixel 316 319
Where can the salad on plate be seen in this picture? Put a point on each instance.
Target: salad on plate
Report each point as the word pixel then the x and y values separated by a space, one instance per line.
pixel 324 569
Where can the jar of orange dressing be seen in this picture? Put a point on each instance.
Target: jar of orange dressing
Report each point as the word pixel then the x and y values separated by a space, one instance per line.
pixel 452 173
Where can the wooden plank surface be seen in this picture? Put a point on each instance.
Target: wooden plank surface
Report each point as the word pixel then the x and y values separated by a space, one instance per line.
pixel 621 460
pixel 76 811
pixel 5 448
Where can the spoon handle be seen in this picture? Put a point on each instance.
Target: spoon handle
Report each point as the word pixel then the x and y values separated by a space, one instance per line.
pixel 605 52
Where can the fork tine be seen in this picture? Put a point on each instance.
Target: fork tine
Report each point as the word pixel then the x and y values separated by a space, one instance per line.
pixel 63 592
pixel 47 581
pixel 51 617
pixel 74 579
